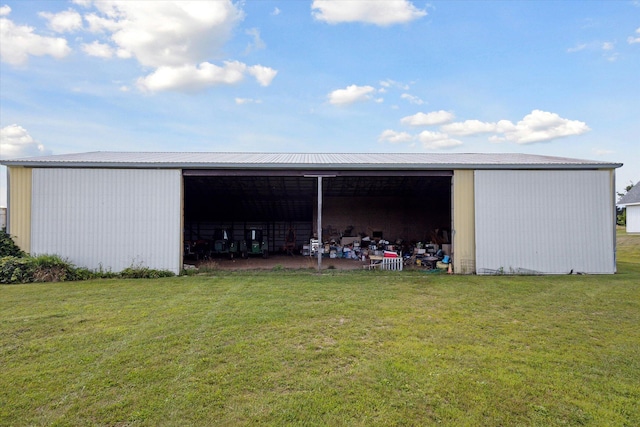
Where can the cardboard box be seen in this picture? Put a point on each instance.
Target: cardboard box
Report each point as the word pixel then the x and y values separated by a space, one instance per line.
pixel 349 240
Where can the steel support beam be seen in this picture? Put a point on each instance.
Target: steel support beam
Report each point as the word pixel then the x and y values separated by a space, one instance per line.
pixel 319 216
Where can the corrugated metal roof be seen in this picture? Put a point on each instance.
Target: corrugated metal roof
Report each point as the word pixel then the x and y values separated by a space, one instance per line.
pixel 632 197
pixel 310 161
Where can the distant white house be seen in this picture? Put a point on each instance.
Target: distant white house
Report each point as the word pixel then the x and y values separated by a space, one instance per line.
pixel 631 201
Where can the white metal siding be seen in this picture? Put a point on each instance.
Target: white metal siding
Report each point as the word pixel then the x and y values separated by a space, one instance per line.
pixel 633 218
pixel 108 218
pixel 544 221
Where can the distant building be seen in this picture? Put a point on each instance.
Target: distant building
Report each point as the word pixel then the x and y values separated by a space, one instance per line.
pixel 631 201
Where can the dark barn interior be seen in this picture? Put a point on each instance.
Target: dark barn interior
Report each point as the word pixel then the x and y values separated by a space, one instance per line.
pixel 395 207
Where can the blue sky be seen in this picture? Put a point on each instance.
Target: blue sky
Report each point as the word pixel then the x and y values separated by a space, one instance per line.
pixel 558 78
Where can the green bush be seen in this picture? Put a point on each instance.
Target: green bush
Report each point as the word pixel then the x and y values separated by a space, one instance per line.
pixel 8 247
pixel 43 268
pixel 144 273
pixel 15 269
pixel 52 268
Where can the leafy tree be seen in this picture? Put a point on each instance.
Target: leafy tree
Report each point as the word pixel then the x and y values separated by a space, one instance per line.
pixel 621 213
pixel 626 189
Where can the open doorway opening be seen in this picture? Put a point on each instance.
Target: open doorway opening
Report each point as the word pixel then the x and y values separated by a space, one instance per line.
pixel 398 210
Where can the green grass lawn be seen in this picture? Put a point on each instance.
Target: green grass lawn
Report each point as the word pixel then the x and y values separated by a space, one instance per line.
pixel 340 349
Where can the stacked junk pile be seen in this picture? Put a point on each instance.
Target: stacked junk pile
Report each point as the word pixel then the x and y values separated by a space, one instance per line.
pixel 434 254
pixel 372 249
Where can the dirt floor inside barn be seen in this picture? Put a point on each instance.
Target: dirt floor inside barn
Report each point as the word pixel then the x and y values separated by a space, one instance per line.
pixel 294 262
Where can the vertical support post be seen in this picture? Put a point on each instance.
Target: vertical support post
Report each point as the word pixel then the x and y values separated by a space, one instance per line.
pixel 319 225
pixel 319 216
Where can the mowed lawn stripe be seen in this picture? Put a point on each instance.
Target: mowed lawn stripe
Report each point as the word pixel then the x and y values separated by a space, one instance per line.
pixel 341 348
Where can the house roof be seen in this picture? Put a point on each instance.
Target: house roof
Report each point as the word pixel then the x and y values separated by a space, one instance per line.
pixel 632 197
pixel 308 161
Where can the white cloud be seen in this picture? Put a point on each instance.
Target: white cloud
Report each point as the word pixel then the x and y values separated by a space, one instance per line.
pixel 429 140
pixel 275 12
pixel 382 13
pixel 15 142
pixel 634 39
pixel 393 84
pixel 101 50
pixel 608 46
pixel 607 49
pixel 264 75
pixel 193 78
pixel 612 57
pixel 412 99
pixel 577 48
pixel 538 126
pixel 98 24
pixel 351 94
pixel 67 21
pixel 175 38
pixel 257 43
pixel 437 140
pixel 19 41
pixel 395 137
pixel 242 101
pixel 167 33
pixel 428 119
pixel 602 152
pixel 469 127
